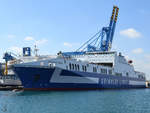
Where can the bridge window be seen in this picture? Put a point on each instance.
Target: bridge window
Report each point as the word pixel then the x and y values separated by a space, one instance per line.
pixel 127 74
pixel 94 69
pixel 119 74
pixel 75 67
pixel 141 76
pixel 104 71
pixel 67 67
pixel 78 67
pixel 70 66
pixel 84 68
pixel 110 72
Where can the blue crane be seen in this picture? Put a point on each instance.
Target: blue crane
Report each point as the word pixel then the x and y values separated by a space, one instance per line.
pixel 8 56
pixel 106 44
pixel 101 41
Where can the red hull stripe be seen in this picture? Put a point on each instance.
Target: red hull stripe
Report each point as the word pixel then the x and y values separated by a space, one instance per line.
pixel 68 89
pixel 58 89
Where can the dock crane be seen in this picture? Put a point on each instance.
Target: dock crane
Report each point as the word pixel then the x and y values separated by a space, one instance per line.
pixel 101 41
pixel 106 44
pixel 7 56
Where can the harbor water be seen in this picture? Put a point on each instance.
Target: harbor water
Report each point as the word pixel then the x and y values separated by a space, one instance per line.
pixel 97 101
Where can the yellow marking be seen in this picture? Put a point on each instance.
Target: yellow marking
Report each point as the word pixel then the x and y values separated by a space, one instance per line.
pixel 6 69
pixel 115 13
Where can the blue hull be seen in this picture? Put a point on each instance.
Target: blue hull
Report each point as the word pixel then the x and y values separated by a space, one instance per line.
pixel 34 78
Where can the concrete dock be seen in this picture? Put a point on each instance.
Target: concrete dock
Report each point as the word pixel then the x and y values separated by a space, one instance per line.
pixel 7 88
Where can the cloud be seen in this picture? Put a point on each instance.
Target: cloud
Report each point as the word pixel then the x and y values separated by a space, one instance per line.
pixel 41 42
pixel 130 33
pixel 147 57
pixel 137 51
pixel 11 36
pixel 16 50
pixel 29 38
pixel 36 42
pixel 67 44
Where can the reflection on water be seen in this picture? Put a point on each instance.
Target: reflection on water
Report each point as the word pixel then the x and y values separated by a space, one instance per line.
pixel 98 101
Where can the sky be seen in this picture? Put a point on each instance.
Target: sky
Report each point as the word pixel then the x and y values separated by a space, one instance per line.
pixel 64 25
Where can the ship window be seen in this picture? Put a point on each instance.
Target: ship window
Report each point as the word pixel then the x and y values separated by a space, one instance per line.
pixel 110 72
pixel 104 71
pixel 75 67
pixel 94 69
pixel 50 65
pixel 140 76
pixel 119 74
pixel 70 66
pixel 12 77
pixel 127 74
pixel 78 67
pixel 67 67
pixel 85 69
pixel 6 77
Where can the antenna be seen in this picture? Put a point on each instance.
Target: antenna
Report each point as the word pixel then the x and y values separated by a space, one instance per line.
pixel 36 50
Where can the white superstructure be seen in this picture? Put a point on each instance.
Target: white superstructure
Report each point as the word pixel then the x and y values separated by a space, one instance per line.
pixel 101 62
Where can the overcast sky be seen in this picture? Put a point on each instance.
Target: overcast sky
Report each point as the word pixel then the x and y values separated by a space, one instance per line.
pixel 55 25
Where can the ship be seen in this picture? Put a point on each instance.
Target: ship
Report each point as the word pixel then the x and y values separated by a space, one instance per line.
pixel 92 66
pixel 7 75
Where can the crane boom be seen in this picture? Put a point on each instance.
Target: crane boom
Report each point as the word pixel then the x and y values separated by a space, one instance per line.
pixel 109 31
pixel 101 41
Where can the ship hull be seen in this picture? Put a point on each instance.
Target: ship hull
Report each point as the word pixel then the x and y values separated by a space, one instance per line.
pixel 37 78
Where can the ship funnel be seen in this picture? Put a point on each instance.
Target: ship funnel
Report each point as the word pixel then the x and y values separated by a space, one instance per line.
pixel 26 51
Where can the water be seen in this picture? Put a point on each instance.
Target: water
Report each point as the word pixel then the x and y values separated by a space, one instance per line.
pixel 100 101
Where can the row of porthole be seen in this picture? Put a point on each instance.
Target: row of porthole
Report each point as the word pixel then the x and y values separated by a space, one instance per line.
pixel 74 67
pixel 84 68
pixel 111 81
